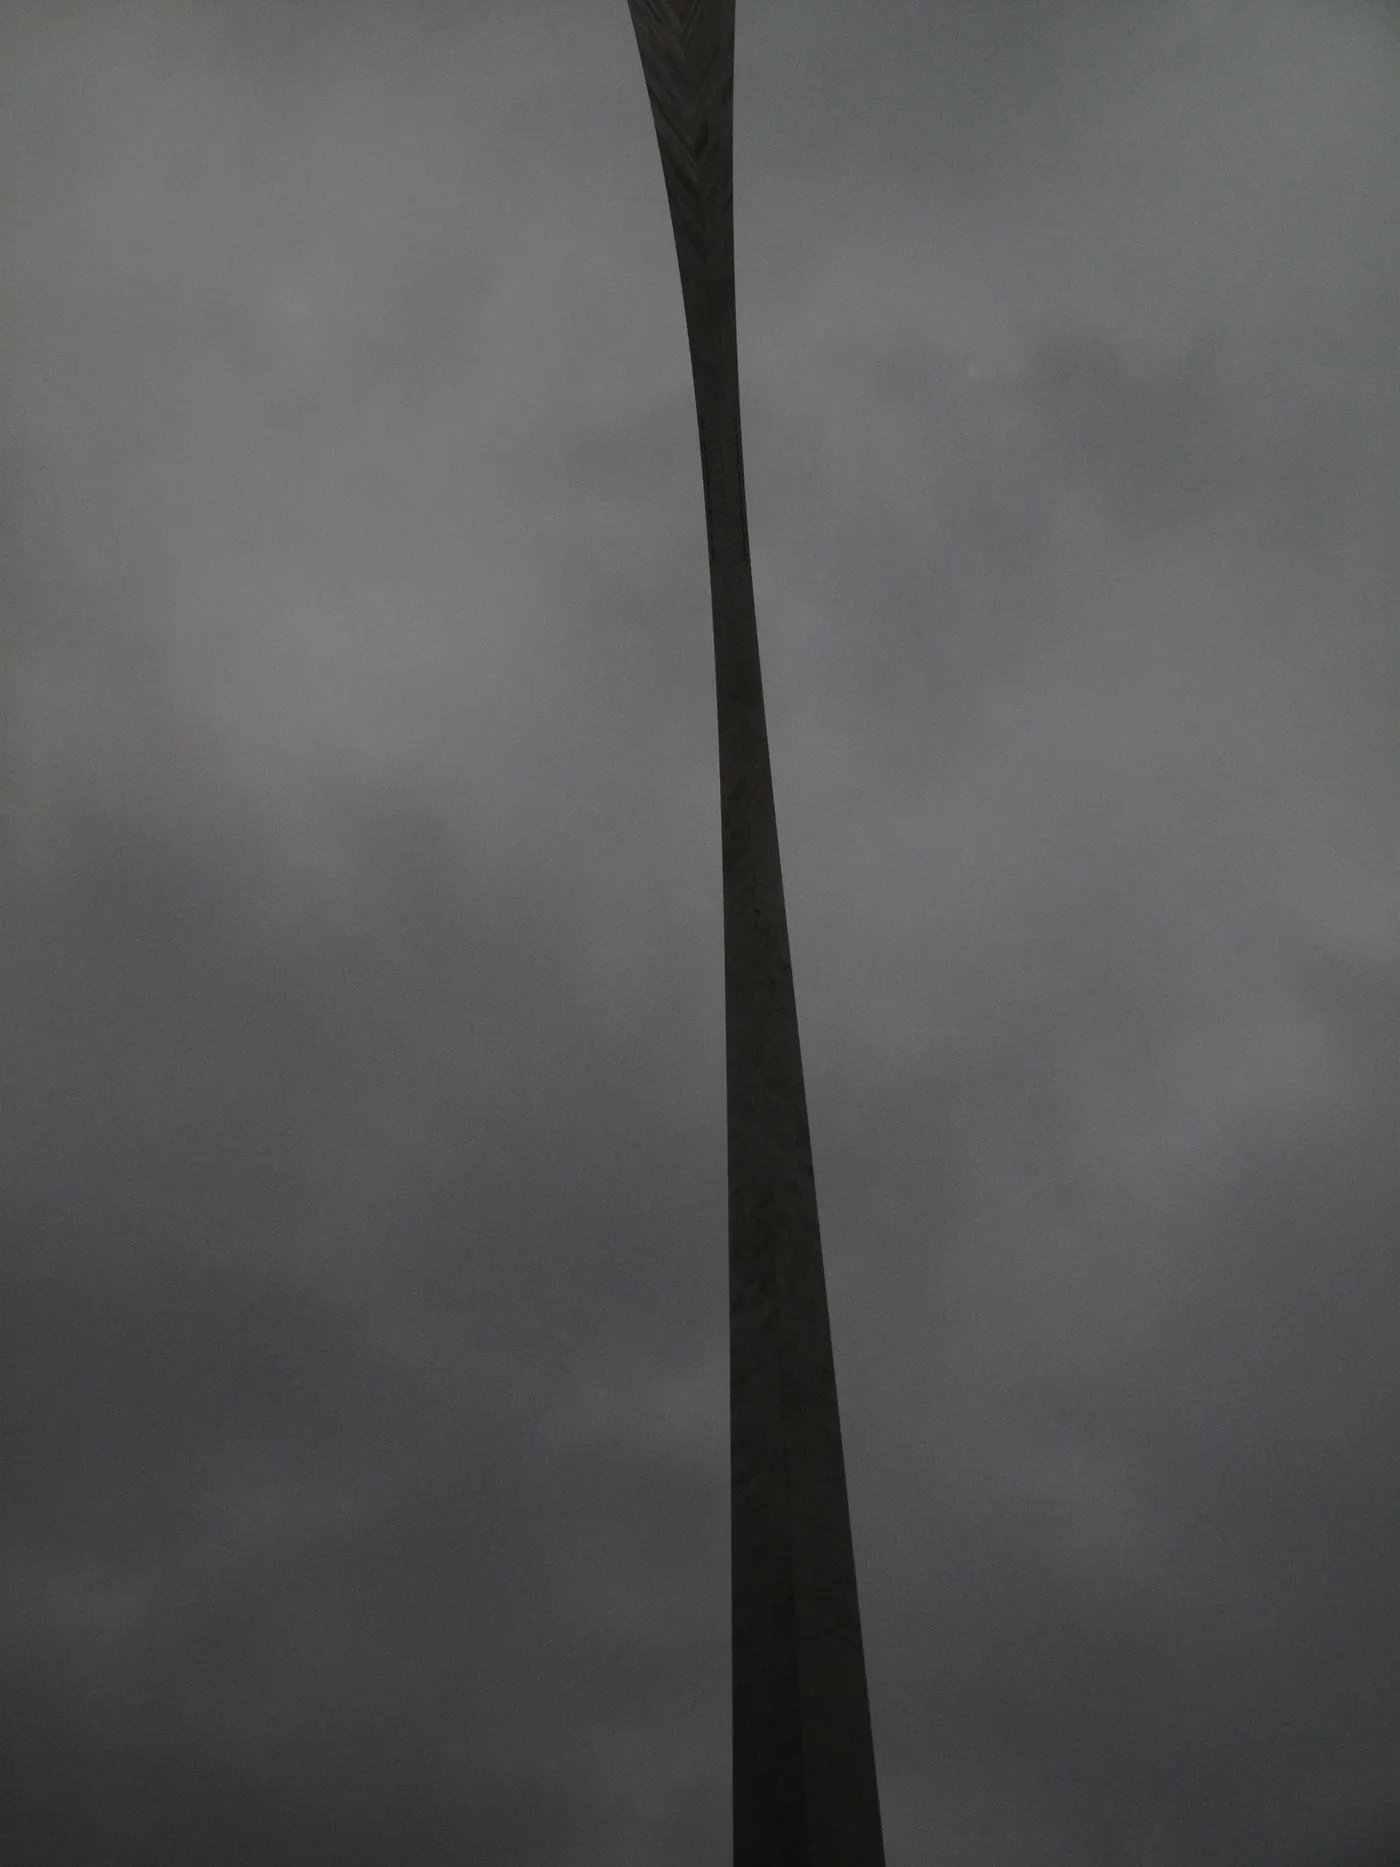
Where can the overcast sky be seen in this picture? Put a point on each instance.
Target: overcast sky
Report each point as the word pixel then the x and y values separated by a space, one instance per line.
pixel 363 1298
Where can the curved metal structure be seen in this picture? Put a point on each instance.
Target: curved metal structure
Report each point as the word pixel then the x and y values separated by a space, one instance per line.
pixel 805 1792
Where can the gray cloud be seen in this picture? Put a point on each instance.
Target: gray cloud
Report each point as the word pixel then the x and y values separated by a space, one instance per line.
pixel 361 1128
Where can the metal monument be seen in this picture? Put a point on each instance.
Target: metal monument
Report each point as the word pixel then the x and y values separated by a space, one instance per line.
pixel 805 1792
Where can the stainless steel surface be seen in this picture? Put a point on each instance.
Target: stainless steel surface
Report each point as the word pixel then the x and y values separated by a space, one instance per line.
pixel 805 1792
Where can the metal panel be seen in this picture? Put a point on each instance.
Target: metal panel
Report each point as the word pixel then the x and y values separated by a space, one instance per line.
pixel 805 1792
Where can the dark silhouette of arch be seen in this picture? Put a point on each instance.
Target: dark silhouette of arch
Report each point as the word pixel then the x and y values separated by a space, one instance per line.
pixel 805 1792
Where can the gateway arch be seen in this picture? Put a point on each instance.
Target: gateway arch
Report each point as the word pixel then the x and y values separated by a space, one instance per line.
pixel 805 1792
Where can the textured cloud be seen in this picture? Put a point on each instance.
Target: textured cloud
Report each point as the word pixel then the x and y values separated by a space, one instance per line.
pixel 362 1379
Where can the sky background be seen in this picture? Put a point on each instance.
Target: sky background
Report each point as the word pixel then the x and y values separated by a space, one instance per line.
pixel 363 1290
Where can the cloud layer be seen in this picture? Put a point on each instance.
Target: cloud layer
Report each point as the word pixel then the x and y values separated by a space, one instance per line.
pixel 361 1128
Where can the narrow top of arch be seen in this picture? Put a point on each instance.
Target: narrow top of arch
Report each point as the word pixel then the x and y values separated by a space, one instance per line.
pixel 687 49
